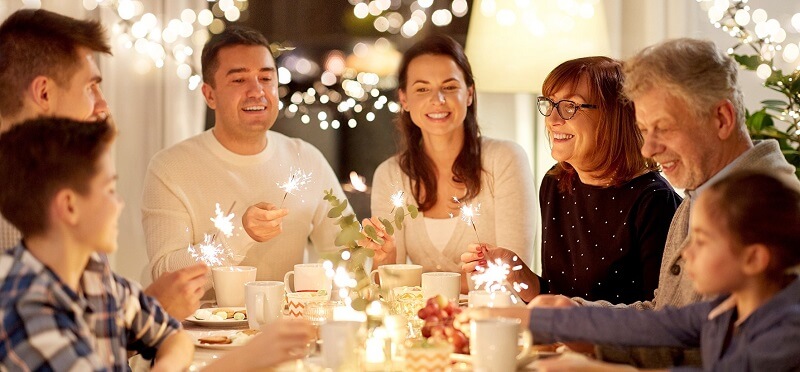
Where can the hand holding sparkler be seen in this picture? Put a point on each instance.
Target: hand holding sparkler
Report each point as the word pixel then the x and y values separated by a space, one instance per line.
pixel 483 259
pixel 262 221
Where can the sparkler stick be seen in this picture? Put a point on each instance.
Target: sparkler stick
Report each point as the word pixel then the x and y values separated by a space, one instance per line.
pixel 297 179
pixel 468 213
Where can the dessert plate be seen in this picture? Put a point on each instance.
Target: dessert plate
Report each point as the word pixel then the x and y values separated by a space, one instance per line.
pixel 233 323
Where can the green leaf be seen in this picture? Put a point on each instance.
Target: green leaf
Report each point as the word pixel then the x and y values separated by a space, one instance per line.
pixel 387 225
pixel 749 62
pixel 756 121
pixel 399 215
pixel 774 103
pixel 371 232
pixel 413 210
pixel 337 210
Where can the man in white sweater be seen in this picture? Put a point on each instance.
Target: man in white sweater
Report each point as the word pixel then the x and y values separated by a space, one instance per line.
pixel 239 163
pixel 48 68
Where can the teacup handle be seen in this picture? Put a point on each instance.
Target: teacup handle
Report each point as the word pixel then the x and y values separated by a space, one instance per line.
pixel 286 281
pixel 261 308
pixel 372 279
pixel 527 341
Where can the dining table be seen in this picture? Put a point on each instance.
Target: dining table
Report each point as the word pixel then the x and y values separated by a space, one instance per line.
pixel 205 354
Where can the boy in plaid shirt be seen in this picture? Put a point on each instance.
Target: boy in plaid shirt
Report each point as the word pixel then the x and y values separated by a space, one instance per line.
pixel 61 306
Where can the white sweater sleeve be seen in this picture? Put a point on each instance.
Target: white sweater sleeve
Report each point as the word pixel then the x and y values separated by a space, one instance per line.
pixel 516 212
pixel 168 226
pixel 385 182
pixel 324 232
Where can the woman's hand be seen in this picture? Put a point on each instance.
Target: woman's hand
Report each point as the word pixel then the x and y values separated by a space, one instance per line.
pixel 385 253
pixel 478 255
pixel 481 254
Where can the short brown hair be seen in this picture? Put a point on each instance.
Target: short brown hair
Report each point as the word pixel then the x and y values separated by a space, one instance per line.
pixel 42 43
pixel 692 70
pixel 232 36
pixel 41 157
pixel 756 208
pixel 618 154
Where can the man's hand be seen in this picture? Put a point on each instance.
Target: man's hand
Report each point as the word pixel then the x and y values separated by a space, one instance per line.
pixel 179 292
pixel 263 221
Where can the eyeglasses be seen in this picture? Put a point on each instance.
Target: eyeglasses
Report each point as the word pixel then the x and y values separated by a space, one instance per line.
pixel 566 108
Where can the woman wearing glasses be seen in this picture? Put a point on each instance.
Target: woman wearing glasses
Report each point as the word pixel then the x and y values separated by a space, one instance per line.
pixel 605 208
pixel 442 156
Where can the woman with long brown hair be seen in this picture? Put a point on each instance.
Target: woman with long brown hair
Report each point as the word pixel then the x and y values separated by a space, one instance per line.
pixel 443 163
pixel 605 208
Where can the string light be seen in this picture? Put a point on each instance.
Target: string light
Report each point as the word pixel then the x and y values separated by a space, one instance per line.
pixel 392 16
pixel 176 39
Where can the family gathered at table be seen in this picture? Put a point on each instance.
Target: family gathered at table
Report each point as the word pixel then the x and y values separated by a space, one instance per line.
pixel 633 273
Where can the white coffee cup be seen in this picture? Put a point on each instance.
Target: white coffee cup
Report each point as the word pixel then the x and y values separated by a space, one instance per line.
pixel 481 298
pixel 308 277
pixel 340 344
pixel 441 283
pixel 229 283
pixel 397 275
pixel 494 344
pixel 297 302
pixel 264 302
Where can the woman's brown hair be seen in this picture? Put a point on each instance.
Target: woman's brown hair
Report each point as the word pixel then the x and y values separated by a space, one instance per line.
pixel 618 154
pixel 412 157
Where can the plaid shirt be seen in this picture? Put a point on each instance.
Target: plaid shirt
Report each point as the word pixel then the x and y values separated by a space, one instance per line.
pixel 47 326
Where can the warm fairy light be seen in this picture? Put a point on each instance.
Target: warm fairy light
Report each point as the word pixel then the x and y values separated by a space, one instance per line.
pixel 357 181
pixel 224 223
pixel 298 179
pixel 213 254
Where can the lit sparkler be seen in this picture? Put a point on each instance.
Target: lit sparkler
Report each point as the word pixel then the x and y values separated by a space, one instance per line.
pixel 468 213
pixel 297 180
pixel 494 277
pixel 213 254
pixel 398 200
pixel 223 222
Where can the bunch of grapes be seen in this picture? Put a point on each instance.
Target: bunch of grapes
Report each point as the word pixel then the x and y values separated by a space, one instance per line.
pixel 442 322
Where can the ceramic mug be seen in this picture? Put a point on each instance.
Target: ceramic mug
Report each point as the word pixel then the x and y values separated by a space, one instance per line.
pixel 494 344
pixel 481 298
pixel 397 275
pixel 229 284
pixel 308 277
pixel 264 302
pixel 441 283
